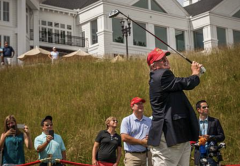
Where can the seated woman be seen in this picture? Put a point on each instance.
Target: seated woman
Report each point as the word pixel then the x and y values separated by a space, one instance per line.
pixel 107 143
pixel 12 140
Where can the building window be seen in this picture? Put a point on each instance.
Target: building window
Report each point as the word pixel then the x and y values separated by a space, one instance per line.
pixel 198 39
pixel 221 35
pixel 180 41
pixel 44 22
pixel 62 26
pixel 161 32
pixel 43 35
pixel 139 35
pixel 94 30
pixel 117 30
pixel 6 39
pixel 142 4
pixel 56 36
pixel 27 23
pixel 237 14
pixel 62 37
pixel 236 36
pixel 69 27
pixel 69 38
pixel 5 11
pixel 156 7
pixel 50 24
pixel 56 25
pixel 50 35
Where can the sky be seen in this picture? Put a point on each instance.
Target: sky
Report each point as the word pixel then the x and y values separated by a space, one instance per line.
pixel 180 1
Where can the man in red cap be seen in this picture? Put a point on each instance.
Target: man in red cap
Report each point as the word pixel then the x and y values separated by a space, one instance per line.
pixel 134 133
pixel 174 121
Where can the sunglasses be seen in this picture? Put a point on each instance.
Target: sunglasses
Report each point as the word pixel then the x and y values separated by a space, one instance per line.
pixel 48 125
pixel 204 107
pixel 116 121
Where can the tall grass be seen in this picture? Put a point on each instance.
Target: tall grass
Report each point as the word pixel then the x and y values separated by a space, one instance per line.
pixel 80 95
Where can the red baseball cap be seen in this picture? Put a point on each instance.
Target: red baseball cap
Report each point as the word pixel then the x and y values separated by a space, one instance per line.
pixel 136 100
pixel 156 55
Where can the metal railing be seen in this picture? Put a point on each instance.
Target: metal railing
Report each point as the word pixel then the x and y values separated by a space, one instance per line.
pixel 61 39
pixel 56 38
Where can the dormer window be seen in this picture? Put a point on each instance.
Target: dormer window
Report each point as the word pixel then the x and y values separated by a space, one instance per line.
pixel 156 7
pixel 153 5
pixel 237 14
pixel 142 4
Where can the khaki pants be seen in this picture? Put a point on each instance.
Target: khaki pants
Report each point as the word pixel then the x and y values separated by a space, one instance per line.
pixel 135 159
pixel 177 155
pixel 7 60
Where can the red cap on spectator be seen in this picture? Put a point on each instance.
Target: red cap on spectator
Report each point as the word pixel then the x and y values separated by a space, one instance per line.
pixel 156 55
pixel 136 100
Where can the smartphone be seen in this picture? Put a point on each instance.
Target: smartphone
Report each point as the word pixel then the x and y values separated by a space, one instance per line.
pixel 20 126
pixel 51 132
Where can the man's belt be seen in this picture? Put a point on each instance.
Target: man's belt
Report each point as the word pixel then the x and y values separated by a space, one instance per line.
pixel 136 152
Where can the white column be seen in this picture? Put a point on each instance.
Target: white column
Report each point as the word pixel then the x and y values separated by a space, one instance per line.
pixel 35 28
pixel 210 37
pixel 104 35
pixel 187 38
pixel 130 38
pixel 149 4
pixel 21 27
pixel 171 38
pixel 229 37
pixel 150 39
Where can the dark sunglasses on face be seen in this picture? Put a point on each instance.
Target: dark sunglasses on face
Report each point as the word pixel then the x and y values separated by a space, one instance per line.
pixel 48 125
pixel 116 121
pixel 204 107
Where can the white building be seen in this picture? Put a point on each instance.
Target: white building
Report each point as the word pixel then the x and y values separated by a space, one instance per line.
pixel 73 24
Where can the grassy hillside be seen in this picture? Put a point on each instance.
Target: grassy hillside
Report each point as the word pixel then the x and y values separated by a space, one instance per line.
pixel 80 95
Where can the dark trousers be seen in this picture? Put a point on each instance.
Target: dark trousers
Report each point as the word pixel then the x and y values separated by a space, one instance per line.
pixel 53 164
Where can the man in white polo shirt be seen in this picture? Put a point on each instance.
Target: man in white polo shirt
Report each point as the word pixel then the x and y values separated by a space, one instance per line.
pixel 134 133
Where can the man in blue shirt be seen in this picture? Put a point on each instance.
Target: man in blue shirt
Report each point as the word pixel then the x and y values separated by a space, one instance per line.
pixel 48 145
pixel 8 54
pixel 134 133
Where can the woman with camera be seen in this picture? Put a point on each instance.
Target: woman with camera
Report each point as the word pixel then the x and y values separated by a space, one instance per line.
pixel 12 142
pixel 106 144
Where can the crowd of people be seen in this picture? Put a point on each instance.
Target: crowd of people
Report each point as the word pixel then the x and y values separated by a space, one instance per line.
pixel 161 140
pixel 7 53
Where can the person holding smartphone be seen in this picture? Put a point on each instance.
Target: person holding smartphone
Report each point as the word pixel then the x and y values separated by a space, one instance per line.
pixel 49 144
pixel 12 141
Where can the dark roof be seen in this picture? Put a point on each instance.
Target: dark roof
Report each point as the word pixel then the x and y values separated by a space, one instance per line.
pixel 201 6
pixel 69 4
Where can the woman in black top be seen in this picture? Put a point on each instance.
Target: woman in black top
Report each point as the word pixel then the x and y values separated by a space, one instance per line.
pixel 106 144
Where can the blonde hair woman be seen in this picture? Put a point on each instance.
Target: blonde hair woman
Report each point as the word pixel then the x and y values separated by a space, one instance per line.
pixel 107 146
pixel 12 140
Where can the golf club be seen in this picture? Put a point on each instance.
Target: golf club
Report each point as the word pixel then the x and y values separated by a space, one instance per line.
pixel 115 12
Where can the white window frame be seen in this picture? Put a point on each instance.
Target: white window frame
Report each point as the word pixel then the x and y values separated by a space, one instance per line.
pixel 6 23
pixel 5 34
pixel 60 37
pixel 91 32
pixel 8 12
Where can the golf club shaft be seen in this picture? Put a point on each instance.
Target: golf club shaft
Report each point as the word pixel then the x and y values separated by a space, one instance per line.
pixel 157 38
pixel 203 70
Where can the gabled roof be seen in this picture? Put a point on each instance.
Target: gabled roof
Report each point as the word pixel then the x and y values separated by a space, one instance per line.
pixel 201 6
pixel 69 4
